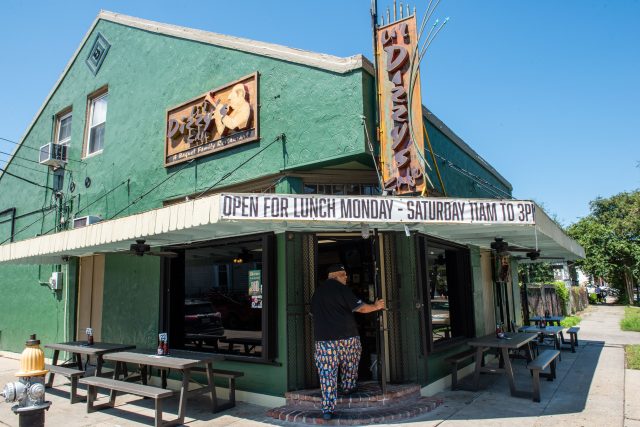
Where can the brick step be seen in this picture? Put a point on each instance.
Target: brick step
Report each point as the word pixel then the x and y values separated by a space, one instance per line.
pixel 368 394
pixel 357 416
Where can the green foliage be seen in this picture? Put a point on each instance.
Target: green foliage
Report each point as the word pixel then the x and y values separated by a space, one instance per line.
pixel 570 321
pixel 561 291
pixel 540 272
pixel 593 299
pixel 632 356
pixel 610 235
pixel 631 320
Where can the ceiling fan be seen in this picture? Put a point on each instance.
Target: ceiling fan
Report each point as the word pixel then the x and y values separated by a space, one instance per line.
pixel 502 247
pixel 139 248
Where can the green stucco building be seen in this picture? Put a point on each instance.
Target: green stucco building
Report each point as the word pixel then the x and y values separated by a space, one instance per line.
pixel 227 285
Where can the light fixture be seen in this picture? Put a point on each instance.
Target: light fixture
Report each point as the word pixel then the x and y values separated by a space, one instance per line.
pixel 364 231
pixel 407 231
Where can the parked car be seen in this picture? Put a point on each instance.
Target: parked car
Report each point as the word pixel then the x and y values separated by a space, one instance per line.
pixel 201 318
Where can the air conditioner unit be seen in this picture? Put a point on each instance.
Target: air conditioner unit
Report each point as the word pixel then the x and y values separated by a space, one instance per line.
pixel 53 154
pixel 83 221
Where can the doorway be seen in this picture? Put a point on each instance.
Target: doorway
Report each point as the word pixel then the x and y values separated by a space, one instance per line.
pixel 356 254
pixel 90 296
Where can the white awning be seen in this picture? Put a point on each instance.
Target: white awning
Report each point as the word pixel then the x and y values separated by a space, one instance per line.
pixel 467 221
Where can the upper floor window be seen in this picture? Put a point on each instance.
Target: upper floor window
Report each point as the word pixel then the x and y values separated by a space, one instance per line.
pixel 97 121
pixel 63 134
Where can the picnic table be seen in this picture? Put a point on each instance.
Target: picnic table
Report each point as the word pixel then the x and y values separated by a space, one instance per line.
pixel 512 341
pixel 77 349
pixel 554 332
pixel 550 320
pixel 81 348
pixel 178 360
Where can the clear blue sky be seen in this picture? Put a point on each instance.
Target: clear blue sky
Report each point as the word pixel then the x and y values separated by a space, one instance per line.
pixel 546 91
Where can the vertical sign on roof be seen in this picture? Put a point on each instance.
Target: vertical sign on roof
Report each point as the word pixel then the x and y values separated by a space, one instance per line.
pixel 400 106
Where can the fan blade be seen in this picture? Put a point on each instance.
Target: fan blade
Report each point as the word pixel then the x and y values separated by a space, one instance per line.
pixel 163 254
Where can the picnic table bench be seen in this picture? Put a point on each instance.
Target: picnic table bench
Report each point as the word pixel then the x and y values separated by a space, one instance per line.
pixel 545 359
pixel 155 393
pixel 73 375
pixel 457 358
pixel 573 338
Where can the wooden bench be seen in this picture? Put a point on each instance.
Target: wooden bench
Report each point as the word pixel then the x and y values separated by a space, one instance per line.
pixel 573 338
pixel 115 386
pixel 231 383
pixel 72 374
pixel 458 358
pixel 545 359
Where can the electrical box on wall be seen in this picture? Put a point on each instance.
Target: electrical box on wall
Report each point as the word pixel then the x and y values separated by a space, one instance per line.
pixel 55 281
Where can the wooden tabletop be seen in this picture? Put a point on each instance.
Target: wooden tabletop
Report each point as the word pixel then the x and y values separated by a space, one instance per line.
pixel 537 329
pixel 176 359
pixel 548 319
pixel 81 347
pixel 512 340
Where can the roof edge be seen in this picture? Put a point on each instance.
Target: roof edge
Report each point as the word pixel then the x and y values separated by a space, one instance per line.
pixel 442 127
pixel 336 64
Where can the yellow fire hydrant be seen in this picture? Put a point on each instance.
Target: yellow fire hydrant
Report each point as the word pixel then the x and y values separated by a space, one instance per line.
pixel 29 391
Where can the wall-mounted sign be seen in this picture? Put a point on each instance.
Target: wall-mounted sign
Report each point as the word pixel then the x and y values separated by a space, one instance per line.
pixel 425 210
pixel 219 119
pixel 400 132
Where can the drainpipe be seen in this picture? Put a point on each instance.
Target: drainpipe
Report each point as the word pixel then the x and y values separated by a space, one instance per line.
pixel 13 220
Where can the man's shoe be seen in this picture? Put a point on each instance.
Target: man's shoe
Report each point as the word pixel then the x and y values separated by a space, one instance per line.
pixel 327 416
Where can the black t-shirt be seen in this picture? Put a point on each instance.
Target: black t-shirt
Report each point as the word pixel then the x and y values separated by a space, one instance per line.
pixel 332 306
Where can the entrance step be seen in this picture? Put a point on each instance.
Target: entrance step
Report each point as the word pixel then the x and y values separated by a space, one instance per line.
pixel 368 394
pixel 367 405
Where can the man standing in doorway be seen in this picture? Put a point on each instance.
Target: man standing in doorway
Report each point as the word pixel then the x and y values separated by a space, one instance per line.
pixel 336 335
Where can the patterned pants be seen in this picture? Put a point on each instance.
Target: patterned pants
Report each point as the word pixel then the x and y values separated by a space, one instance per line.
pixel 330 355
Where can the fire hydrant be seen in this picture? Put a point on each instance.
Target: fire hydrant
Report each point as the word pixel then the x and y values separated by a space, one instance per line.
pixel 28 391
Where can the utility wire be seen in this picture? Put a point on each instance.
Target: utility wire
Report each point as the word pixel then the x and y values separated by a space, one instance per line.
pixel 280 137
pixel 31 148
pixel 50 209
pixel 26 180
pixel 493 189
pixel 152 189
pixel 102 197
pixel 31 169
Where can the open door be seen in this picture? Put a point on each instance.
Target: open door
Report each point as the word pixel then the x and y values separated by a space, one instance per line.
pixel 90 296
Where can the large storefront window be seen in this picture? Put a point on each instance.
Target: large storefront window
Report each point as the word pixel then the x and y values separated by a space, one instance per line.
pixel 446 287
pixel 220 292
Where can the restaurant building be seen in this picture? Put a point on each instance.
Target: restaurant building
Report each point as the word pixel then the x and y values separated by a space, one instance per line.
pixel 200 184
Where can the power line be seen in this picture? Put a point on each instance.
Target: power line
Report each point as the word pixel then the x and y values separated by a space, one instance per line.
pixel 31 169
pixel 31 148
pixel 156 186
pixel 26 180
pixel 281 137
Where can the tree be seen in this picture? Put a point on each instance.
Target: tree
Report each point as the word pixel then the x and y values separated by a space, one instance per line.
pixel 610 235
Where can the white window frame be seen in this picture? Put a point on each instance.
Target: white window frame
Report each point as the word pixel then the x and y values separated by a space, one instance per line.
pixel 67 141
pixel 92 102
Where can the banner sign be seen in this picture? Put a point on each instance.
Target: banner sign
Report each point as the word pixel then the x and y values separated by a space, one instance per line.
pixel 433 210
pixel 219 119
pixel 400 105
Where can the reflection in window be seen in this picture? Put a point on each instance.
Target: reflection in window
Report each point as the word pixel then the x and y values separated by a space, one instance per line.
pixel 447 291
pixel 439 295
pixel 223 287
pixel 97 121
pixel 342 189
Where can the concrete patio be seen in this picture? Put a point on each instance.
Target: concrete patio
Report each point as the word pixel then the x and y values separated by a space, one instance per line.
pixel 592 389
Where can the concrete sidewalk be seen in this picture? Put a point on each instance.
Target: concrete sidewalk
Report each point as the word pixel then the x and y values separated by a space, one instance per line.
pixel 589 391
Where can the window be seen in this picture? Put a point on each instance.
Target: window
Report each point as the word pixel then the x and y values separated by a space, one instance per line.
pixel 220 298
pixel 97 121
pixel 63 134
pixel 446 285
